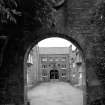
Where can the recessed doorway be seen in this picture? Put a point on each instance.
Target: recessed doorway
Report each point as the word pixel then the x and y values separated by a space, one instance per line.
pixel 54 74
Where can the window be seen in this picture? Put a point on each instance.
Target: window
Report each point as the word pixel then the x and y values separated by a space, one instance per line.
pixel 70 65
pixel 63 72
pixel 59 65
pixel 50 59
pixel 44 73
pixel 63 76
pixel 44 59
pixel 44 79
pixel 56 59
pixel 44 66
pixel 63 66
pixel 63 59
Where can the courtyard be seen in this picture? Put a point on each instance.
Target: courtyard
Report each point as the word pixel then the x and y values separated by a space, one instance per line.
pixel 55 93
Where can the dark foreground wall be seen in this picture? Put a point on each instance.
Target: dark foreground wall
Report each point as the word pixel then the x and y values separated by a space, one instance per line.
pixel 72 23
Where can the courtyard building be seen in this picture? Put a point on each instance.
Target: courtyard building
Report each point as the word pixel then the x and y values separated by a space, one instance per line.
pixel 51 64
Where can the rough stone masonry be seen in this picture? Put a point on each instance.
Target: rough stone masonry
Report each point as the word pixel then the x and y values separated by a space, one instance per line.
pixel 72 22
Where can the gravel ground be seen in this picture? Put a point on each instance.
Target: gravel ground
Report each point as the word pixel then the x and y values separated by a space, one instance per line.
pixel 55 93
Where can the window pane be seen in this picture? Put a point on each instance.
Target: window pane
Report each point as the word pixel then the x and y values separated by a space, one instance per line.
pixel 44 59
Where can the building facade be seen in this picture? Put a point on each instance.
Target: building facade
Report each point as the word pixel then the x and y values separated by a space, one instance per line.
pixel 77 74
pixel 55 64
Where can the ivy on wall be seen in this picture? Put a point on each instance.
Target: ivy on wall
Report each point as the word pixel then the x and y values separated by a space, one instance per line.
pixel 98 18
pixel 42 11
pixel 8 11
pixel 101 65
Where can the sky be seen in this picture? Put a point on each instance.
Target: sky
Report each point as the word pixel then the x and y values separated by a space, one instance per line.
pixel 55 42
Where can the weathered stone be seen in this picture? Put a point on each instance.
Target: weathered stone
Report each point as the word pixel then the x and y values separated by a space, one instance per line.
pixel 72 23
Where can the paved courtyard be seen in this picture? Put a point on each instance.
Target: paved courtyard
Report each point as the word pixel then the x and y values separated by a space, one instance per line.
pixel 55 93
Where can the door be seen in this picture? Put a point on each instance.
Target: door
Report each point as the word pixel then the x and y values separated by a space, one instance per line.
pixel 54 74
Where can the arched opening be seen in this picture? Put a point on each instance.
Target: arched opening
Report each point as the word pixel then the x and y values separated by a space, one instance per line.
pixel 54 74
pixel 59 60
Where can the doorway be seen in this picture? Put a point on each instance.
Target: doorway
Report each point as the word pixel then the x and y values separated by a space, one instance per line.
pixel 54 74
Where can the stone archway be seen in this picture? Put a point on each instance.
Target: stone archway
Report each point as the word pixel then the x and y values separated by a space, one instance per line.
pixel 49 35
pixel 73 24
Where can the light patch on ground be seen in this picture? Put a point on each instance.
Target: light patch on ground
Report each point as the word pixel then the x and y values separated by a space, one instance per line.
pixel 57 93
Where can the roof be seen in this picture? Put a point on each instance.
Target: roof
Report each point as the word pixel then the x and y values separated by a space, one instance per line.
pixel 53 50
